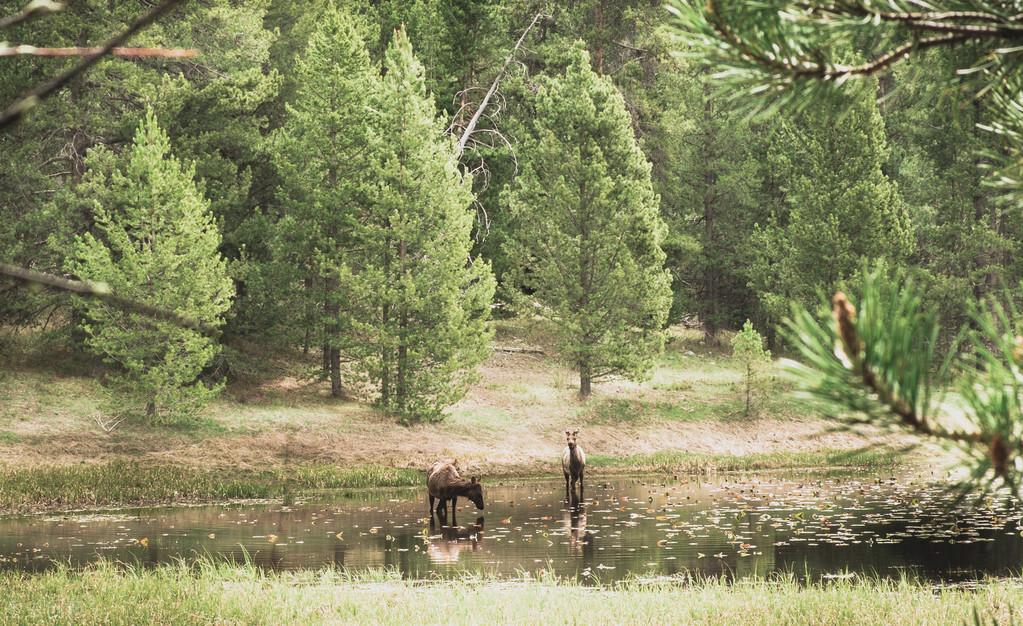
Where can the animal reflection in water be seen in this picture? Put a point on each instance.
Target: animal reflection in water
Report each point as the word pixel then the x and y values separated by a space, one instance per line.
pixel 580 539
pixel 453 540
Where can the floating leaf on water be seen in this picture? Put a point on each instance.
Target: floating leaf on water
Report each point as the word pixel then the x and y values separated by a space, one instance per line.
pixel 271 538
pixel 144 542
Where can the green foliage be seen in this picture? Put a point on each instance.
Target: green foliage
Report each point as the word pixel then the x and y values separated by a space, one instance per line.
pixel 424 302
pixel 589 236
pixel 154 242
pixel 966 237
pixel 794 55
pixel 887 363
pixel 878 362
pixel 748 349
pixel 326 167
pixel 213 107
pixel 837 207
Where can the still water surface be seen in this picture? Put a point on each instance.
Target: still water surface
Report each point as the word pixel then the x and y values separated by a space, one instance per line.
pixel 735 525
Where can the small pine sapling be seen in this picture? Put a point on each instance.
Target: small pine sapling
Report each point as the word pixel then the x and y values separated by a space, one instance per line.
pixel 748 350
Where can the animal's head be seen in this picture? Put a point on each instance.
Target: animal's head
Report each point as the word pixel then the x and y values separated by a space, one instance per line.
pixel 570 438
pixel 475 493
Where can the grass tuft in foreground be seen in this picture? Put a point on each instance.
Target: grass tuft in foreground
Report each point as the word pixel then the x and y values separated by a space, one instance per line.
pixel 222 593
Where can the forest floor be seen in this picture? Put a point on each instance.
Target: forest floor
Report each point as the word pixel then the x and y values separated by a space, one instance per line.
pixel 276 415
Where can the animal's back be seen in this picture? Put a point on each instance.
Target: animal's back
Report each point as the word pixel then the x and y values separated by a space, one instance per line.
pixel 441 476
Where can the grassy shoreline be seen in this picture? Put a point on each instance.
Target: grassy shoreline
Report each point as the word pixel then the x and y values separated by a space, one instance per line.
pixel 126 483
pixel 223 593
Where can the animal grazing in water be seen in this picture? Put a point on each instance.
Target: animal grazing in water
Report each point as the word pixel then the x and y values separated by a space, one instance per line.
pixel 444 483
pixel 573 463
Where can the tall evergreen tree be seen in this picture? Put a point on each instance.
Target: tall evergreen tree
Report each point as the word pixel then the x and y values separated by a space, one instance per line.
pixel 588 230
pixel 839 208
pixel 155 242
pixel 425 302
pixel 325 164
pixel 966 238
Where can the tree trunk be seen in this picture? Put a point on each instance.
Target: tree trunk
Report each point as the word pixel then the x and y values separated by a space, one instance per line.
pixel 332 354
pixel 402 386
pixel 385 351
pixel 307 335
pixel 749 384
pixel 585 379
pixel 711 278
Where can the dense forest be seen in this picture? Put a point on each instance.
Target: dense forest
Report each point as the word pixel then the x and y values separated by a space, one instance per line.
pixel 372 181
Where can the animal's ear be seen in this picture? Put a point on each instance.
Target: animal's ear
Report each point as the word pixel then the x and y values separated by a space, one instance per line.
pixel 474 481
pixel 575 433
pixel 568 433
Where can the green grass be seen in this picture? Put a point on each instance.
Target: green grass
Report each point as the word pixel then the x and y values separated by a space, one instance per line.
pixel 228 594
pixel 684 462
pixel 127 483
pixel 8 437
pixel 627 411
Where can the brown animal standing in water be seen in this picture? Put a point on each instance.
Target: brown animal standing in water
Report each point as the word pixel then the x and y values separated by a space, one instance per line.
pixel 573 463
pixel 444 483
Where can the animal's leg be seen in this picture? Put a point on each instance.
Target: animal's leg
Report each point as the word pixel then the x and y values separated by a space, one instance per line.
pixel 567 496
pixel 431 505
pixel 454 510
pixel 580 486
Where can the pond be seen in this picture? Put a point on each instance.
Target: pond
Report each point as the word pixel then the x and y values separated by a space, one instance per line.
pixel 735 526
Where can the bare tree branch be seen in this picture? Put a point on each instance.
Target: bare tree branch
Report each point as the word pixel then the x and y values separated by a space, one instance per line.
pixel 471 126
pixel 15 111
pixel 103 292
pixel 32 9
pixel 172 53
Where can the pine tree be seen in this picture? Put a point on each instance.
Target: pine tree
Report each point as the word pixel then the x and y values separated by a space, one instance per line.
pixel 155 242
pixel 425 301
pixel 212 106
pixel 748 350
pixel 589 234
pixel 325 163
pixel 838 209
pixel 966 237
